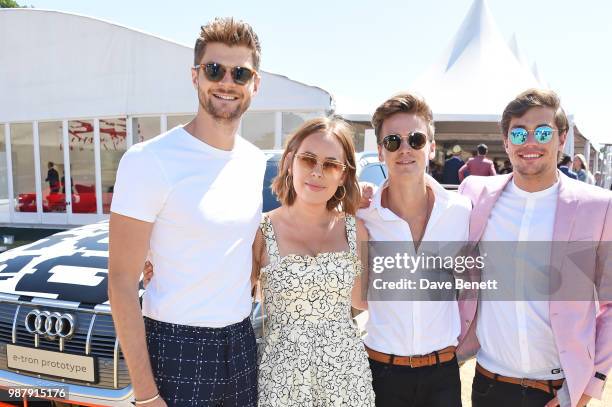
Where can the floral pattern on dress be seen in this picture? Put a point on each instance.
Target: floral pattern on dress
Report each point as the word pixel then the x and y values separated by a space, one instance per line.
pixel 312 353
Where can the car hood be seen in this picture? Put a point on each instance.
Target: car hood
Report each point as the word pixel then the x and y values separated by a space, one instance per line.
pixel 67 266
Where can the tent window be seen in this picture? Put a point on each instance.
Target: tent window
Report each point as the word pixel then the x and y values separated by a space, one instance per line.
pixel 258 128
pixel 22 155
pixel 293 120
pixel 145 128
pixel 4 209
pixel 113 143
pixel 174 121
pixel 82 167
pixel 50 136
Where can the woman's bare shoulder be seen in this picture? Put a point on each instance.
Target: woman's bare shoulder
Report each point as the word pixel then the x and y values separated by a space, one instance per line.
pixel 274 213
pixel 362 231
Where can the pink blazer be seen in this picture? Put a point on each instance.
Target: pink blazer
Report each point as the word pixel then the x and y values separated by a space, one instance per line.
pixel 583 331
pixel 478 165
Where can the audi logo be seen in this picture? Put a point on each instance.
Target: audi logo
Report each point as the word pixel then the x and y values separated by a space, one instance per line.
pixel 51 324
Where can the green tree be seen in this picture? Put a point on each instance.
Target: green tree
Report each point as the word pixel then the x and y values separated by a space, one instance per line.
pixel 9 4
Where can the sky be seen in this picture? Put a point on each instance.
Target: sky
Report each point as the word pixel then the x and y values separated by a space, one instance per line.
pixel 364 51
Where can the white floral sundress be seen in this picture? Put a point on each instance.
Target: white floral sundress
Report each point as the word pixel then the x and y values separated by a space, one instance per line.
pixel 312 353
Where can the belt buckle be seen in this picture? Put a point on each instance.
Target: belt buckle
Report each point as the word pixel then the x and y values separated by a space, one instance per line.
pixel 410 361
pixel 523 385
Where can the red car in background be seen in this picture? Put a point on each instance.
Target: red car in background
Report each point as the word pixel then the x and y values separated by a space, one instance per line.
pixel 83 200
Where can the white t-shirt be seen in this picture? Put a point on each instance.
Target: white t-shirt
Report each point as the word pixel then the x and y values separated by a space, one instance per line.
pixel 206 207
pixel 410 328
pixel 516 337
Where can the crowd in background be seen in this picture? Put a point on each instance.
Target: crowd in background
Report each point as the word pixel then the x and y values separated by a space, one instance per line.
pixel 455 169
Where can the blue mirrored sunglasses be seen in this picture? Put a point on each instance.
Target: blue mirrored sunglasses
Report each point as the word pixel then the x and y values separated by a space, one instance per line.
pixel 542 134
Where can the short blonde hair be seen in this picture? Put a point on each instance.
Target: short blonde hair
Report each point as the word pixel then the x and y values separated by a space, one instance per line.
pixel 282 185
pixel 226 30
pixel 403 103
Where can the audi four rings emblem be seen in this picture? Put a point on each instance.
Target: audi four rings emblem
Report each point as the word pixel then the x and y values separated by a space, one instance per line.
pixel 51 324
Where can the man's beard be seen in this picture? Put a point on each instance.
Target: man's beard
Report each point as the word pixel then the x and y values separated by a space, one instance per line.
pixel 223 115
pixel 538 171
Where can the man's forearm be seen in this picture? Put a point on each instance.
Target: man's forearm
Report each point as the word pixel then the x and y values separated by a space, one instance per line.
pixel 129 325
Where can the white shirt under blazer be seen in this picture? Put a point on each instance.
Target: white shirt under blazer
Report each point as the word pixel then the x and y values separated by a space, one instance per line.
pixel 516 337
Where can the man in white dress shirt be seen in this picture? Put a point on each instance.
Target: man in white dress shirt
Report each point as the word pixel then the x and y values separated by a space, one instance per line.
pixel 411 344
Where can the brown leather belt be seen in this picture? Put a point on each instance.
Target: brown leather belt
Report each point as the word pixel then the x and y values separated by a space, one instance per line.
pixel 433 358
pixel 549 386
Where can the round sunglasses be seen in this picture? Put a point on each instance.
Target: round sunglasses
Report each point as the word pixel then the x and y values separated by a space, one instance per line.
pixel 392 142
pixel 215 72
pixel 542 134
pixel 328 167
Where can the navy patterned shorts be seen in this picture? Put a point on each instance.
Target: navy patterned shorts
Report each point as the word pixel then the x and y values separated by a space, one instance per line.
pixel 195 366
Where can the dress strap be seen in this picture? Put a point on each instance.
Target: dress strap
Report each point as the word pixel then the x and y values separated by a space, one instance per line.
pixel 351 233
pixel 268 232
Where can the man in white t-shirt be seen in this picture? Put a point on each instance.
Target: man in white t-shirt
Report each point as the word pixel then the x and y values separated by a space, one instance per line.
pixel 192 198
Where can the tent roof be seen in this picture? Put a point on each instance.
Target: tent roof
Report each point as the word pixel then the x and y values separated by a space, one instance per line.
pixel 517 50
pixel 58 65
pixel 477 74
pixel 520 55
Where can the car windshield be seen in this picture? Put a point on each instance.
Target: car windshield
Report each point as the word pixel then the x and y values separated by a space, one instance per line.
pixel 373 173
pixel 269 199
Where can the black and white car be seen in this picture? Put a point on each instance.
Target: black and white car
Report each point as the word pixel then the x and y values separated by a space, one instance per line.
pixel 56 327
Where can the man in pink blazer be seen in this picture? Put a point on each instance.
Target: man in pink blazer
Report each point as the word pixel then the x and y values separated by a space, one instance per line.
pixel 544 353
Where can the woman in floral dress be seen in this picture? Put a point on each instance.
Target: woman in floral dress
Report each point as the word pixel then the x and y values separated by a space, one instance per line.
pixel 306 257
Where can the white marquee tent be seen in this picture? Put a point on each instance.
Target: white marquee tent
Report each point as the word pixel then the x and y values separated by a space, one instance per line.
pixel 477 74
pixel 57 65
pixel 470 84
